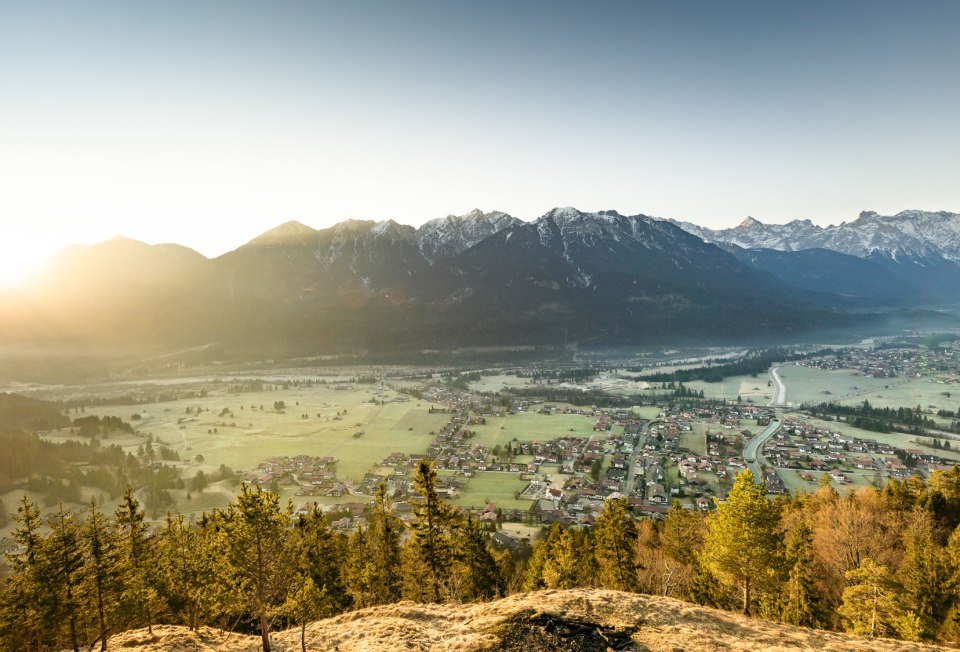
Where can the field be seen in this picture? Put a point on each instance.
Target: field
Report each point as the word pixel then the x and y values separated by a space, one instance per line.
pixel 498 382
pixel 748 388
pixel 647 412
pixel 793 482
pixel 811 385
pixel 900 440
pixel 531 426
pixel 497 488
pixel 309 425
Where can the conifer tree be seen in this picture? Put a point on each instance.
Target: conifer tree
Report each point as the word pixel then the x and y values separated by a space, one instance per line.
pixel 28 602
pixel 474 565
pixel 318 554
pixel 304 604
pixel 743 546
pixel 873 605
pixel 614 537
pixel 542 549
pixel 561 568
pixel 926 576
pixel 66 556
pixel 137 567
pixel 801 600
pixel 103 569
pixel 374 568
pixel 257 546
pixel 191 570
pixel 682 535
pixel 428 553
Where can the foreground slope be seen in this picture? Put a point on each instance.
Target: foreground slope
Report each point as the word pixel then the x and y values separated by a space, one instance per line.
pixel 578 619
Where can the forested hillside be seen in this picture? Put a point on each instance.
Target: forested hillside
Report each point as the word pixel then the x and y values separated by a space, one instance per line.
pixel 877 563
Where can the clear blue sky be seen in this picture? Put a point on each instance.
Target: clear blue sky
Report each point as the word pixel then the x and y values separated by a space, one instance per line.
pixel 209 122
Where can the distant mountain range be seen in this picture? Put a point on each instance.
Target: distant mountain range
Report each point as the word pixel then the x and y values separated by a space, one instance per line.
pixel 919 251
pixel 480 279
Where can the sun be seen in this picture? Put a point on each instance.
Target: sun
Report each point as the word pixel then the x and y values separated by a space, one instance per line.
pixel 19 259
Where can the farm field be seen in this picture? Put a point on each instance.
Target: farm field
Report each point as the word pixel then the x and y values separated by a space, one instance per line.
pixel 647 412
pixel 750 389
pixel 531 426
pixel 497 488
pixel 927 394
pixel 498 382
pixel 812 385
pixel 245 435
pixel 794 483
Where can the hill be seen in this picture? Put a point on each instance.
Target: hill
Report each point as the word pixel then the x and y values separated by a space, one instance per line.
pixel 578 619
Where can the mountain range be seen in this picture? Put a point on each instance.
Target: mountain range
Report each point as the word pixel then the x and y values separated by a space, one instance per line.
pixel 482 279
pixel 919 251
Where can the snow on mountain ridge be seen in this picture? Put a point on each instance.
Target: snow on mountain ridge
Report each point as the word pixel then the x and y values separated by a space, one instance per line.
pixel 450 235
pixel 913 234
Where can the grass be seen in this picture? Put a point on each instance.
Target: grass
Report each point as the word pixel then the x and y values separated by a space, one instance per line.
pixel 695 440
pixel 731 387
pixel 812 385
pixel 647 412
pixel 498 488
pixel 250 435
pixel 531 426
pixel 899 440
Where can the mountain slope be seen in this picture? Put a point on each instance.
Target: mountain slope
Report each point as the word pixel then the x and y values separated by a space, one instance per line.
pixel 579 619
pixel 921 248
pixel 606 277
pixel 850 279
pixel 450 235
pixel 481 279
pixel 912 233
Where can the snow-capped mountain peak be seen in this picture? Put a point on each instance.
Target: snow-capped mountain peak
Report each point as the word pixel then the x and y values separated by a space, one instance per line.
pixel 450 235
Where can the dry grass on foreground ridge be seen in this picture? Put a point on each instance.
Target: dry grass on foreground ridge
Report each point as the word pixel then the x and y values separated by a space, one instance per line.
pixel 576 620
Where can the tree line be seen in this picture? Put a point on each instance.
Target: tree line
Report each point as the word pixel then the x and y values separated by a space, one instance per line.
pixel 876 562
pixel 876 419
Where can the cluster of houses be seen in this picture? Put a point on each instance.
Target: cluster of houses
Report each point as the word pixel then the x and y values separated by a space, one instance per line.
pixel 804 447
pixel 315 476
pixel 942 364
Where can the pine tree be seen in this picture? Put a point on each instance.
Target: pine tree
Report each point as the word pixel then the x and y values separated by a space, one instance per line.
pixel 475 567
pixel 801 600
pixel 615 536
pixel 103 569
pixel 682 535
pixel 27 605
pixel 66 555
pixel 429 552
pixel 318 554
pixel 139 597
pixel 304 604
pixel 872 604
pixel 257 535
pixel 743 546
pixel 926 576
pixel 374 566
pixel 191 569
pixel 561 568
pixel 542 550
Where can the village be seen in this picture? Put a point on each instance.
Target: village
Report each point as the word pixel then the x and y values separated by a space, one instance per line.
pixel 688 452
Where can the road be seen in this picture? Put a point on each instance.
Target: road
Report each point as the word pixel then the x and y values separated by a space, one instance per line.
pixel 781 395
pixel 752 450
pixel 632 467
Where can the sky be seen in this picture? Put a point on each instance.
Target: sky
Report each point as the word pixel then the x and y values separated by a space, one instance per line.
pixel 209 122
